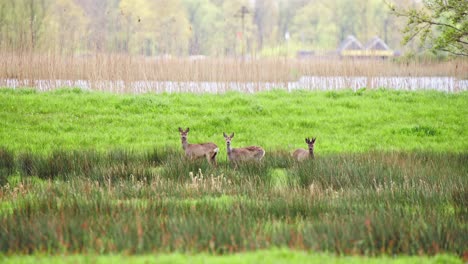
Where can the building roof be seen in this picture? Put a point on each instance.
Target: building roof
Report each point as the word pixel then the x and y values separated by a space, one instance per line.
pixel 350 43
pixel 376 44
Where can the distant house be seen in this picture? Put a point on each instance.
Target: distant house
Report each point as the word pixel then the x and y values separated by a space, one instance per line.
pixel 376 47
pixel 351 47
pixel 350 44
pixel 376 43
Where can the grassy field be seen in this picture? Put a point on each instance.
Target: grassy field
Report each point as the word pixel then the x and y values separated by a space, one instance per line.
pixel 263 256
pixel 98 173
pixel 369 204
pixel 342 121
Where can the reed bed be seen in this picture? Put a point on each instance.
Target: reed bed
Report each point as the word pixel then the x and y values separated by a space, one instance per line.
pixel 98 67
pixel 124 201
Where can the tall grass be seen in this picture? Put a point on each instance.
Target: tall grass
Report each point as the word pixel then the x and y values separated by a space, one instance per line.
pixel 372 204
pixel 7 164
pixel 99 67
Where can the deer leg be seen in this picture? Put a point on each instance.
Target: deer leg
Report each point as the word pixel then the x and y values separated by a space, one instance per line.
pixel 213 158
pixel 234 164
pixel 208 158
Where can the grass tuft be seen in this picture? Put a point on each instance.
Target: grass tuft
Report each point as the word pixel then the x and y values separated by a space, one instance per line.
pixel 7 164
pixel 370 204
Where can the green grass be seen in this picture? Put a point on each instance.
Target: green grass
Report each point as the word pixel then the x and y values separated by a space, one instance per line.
pixel 342 121
pixel 100 173
pixel 263 256
pixel 370 204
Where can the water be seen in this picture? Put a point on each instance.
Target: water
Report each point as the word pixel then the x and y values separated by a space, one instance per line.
pixel 313 83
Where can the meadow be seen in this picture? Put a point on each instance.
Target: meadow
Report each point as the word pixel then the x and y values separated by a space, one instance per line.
pixel 99 173
pixel 261 256
pixel 342 121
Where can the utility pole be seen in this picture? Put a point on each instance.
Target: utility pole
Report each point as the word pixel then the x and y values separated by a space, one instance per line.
pixel 242 12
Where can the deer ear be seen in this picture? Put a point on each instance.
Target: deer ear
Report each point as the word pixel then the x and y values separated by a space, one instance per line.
pixel 224 134
pixel 307 140
pixel 313 140
pixel 180 129
pixel 232 135
pixel 188 129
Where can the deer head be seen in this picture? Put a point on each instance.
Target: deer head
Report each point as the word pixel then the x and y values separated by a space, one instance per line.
pixel 228 138
pixel 183 134
pixel 310 143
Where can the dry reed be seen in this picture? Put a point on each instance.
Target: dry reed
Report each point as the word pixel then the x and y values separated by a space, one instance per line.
pixel 97 67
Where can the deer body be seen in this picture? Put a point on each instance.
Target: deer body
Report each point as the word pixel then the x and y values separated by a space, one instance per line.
pixel 302 154
pixel 235 155
pixel 208 150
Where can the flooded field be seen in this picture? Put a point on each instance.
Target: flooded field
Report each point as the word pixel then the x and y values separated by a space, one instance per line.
pixel 323 83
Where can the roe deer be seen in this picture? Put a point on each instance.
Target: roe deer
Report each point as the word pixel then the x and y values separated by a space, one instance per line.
pixel 302 154
pixel 236 155
pixel 196 151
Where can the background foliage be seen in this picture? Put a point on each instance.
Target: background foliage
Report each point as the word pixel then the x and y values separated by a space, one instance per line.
pixel 181 27
pixel 441 26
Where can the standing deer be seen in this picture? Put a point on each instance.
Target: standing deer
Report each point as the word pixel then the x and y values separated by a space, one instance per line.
pixel 196 151
pixel 236 155
pixel 302 154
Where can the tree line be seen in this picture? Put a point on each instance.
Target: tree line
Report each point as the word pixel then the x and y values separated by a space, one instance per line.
pixel 194 27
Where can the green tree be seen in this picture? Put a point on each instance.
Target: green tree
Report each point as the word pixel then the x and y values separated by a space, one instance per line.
pixel 315 26
pixel 206 26
pixel 266 20
pixel 66 27
pixel 21 23
pixel 287 11
pixel 441 24
pixel 347 16
pixel 155 27
pixel 100 29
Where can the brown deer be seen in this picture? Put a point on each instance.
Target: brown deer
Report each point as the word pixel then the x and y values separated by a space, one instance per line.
pixel 236 155
pixel 196 151
pixel 302 154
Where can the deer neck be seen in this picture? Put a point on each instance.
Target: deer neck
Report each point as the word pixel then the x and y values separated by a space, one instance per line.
pixel 229 150
pixel 311 153
pixel 184 143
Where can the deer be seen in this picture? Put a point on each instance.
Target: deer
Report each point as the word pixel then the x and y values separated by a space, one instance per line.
pixel 236 155
pixel 302 154
pixel 208 150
